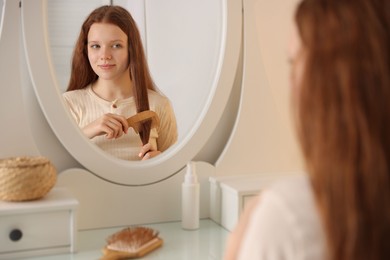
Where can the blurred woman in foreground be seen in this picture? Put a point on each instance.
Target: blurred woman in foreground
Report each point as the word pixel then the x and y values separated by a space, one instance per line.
pixel 340 79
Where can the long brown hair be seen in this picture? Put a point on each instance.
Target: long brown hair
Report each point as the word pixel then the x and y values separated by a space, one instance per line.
pixel 82 74
pixel 344 121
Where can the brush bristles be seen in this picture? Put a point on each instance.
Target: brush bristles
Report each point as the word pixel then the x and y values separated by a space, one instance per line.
pixel 131 239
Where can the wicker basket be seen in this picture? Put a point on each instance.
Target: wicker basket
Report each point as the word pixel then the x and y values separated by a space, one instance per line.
pixel 26 178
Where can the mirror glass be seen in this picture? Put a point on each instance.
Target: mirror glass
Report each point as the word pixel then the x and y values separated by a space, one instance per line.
pixel 182 63
pixel 192 60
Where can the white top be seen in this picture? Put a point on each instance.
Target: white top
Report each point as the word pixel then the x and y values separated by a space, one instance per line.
pixel 85 107
pixel 285 224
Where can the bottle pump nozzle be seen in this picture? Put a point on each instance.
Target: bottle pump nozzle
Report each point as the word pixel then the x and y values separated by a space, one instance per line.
pixel 190 176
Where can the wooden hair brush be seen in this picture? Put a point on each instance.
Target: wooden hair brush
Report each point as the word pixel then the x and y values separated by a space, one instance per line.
pixel 141 117
pixel 131 242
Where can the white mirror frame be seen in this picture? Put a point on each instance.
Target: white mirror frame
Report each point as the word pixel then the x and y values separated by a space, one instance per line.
pixel 36 44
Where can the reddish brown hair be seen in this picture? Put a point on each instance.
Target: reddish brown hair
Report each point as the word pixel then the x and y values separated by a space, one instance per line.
pixel 82 74
pixel 344 121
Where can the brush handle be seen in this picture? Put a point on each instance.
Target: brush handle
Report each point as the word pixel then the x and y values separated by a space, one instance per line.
pixel 109 254
pixel 116 255
pixel 134 121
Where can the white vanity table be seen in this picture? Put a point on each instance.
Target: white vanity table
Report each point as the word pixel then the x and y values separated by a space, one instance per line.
pixel 206 243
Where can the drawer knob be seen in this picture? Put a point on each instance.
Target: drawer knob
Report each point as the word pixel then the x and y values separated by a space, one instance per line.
pixel 15 235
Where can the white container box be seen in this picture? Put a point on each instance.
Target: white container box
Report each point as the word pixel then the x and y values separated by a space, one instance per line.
pixel 229 195
pixel 40 227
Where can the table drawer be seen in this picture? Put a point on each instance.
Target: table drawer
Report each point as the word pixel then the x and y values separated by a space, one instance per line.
pixel 34 231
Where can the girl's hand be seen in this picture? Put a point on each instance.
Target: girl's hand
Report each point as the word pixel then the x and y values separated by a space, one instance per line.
pixel 147 152
pixel 111 125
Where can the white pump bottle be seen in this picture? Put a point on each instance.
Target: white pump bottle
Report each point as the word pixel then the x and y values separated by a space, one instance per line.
pixel 190 199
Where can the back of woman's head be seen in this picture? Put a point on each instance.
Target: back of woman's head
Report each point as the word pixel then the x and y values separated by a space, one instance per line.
pixel 343 119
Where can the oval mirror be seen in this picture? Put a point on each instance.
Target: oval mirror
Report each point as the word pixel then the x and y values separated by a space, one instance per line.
pixel 192 58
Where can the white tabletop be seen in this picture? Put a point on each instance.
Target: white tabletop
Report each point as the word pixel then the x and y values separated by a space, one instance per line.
pixel 206 243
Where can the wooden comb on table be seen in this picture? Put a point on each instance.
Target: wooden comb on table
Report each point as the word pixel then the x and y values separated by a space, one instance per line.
pixel 131 242
pixel 144 116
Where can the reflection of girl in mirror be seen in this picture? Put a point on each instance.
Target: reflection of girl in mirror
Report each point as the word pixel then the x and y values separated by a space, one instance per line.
pixel 110 81
pixel 340 95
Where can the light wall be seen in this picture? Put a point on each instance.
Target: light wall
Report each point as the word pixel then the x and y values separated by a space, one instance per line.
pixel 264 140
pixel 273 22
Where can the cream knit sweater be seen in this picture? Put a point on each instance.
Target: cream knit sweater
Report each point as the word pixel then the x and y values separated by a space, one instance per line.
pixel 85 107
